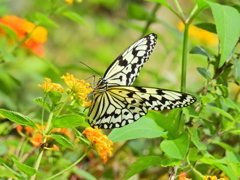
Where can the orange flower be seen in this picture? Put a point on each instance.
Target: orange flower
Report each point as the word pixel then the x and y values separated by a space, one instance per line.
pixel 214 178
pixel 54 148
pixel 62 131
pixel 199 35
pixel 19 128
pixel 35 35
pixel 28 129
pixel 37 139
pixel 183 176
pixel 79 89
pixel 48 86
pixel 100 142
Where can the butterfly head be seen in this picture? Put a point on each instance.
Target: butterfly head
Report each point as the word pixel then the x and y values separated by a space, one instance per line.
pixel 102 84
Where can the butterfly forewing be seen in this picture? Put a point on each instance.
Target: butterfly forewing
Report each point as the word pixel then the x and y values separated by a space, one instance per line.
pixel 124 70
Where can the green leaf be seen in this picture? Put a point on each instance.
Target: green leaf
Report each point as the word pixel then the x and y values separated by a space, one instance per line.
pixel 18 118
pixel 207 26
pixel 228 29
pixel 164 3
pixel 75 17
pixel 7 56
pixel 236 68
pixel 62 140
pixel 169 123
pixel 202 4
pixel 176 148
pixel 230 171
pixel 44 20
pixel 196 139
pixel 9 31
pixel 83 174
pixel 136 11
pixel 141 164
pixel 229 103
pixel 220 111
pixel 200 50
pixel 204 72
pixel 223 145
pixel 67 121
pixel 20 176
pixel 171 162
pixel 55 96
pixel 7 172
pixel 25 168
pixel 81 137
pixel 143 128
pixel 39 101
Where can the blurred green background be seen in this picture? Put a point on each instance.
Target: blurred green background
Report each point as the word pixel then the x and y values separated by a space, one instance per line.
pixel 105 30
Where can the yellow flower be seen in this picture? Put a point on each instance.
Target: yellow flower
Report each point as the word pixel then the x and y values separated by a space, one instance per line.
pixel 199 35
pixel 69 1
pixel 214 178
pixel 100 142
pixel 79 89
pixel 48 86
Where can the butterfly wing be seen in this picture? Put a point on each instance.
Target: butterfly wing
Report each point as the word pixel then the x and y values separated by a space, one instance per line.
pixel 119 106
pixel 125 68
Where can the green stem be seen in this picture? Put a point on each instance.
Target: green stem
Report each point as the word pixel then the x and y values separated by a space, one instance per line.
pixel 184 58
pixel 24 39
pixel 43 110
pixel 152 17
pixel 179 8
pixel 196 171
pixel 37 164
pixel 63 104
pixel 69 167
pixel 49 123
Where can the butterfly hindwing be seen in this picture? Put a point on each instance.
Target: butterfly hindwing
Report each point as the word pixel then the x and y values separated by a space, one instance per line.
pixel 119 108
pixel 124 70
pixel 123 105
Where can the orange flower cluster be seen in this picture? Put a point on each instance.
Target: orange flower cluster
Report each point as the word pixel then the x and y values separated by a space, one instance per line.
pixel 200 36
pixel 79 89
pixel 183 176
pixel 36 138
pixel 35 35
pixel 48 86
pixel 100 142
pixel 214 178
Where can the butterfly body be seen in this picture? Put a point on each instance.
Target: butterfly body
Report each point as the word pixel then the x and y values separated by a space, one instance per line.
pixel 116 103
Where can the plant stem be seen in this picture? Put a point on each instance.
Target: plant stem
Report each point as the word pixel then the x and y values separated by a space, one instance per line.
pixel 69 167
pixel 151 18
pixel 179 8
pixel 36 166
pixel 184 58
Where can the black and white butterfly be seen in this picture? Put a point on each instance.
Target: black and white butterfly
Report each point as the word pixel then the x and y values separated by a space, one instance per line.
pixel 116 103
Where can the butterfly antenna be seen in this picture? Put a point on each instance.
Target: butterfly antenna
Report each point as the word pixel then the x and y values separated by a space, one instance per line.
pixel 90 68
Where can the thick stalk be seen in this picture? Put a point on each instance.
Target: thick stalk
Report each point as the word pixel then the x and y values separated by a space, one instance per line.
pixel 184 58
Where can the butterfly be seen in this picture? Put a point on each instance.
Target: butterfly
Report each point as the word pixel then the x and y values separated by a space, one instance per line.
pixel 116 103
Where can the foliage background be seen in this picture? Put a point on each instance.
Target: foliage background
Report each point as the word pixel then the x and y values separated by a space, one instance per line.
pixel 95 33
